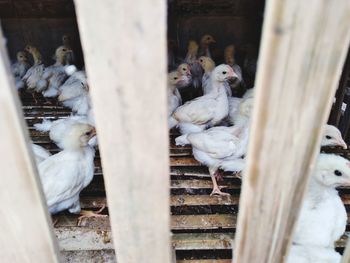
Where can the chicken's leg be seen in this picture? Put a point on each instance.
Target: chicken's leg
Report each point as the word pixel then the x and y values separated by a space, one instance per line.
pixel 34 98
pixel 216 188
pixel 89 214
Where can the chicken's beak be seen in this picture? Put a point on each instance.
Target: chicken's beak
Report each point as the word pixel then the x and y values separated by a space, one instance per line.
pixel 342 144
pixel 93 133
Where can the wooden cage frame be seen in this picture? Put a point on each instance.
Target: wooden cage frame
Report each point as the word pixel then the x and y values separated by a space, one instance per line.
pixel 303 49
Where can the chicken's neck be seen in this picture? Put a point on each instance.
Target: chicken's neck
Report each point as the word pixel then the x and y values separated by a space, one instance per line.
pixel 218 88
pixel 191 57
pixel 205 50
pixel 37 57
pixel 317 192
pixel 60 61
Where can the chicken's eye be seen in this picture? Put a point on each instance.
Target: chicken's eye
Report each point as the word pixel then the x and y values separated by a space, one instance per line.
pixel 208 38
pixel 328 137
pixel 64 50
pixel 175 78
pixel 88 133
pixel 338 173
pixel 224 72
pixel 201 60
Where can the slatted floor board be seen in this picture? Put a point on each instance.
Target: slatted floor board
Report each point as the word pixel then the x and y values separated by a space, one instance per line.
pixel 203 226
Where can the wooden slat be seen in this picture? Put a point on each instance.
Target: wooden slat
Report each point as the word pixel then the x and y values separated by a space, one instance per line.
pixel 183 161
pixel 88 256
pixel 178 222
pixel 205 261
pixel 79 238
pixel 202 241
pixel 125 54
pixel 303 49
pixel 183 200
pixel 26 234
pixel 89 239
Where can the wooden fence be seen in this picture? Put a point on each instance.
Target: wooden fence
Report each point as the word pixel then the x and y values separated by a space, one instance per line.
pixel 303 50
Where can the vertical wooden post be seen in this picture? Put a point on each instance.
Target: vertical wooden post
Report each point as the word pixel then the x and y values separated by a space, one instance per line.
pixel 124 46
pixel 303 50
pixel 25 226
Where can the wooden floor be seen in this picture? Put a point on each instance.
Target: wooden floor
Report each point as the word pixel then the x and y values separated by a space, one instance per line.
pixel 203 226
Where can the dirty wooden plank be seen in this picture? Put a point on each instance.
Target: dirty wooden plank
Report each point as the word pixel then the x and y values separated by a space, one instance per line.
pixel 200 184
pixel 183 161
pixel 204 261
pixel 134 143
pixel 88 256
pixel 175 200
pixel 202 241
pixel 190 222
pixel 26 233
pixel 178 222
pixel 80 238
pixel 303 49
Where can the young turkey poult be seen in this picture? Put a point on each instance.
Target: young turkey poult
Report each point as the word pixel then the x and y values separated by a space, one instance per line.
pixel 34 73
pixel 74 93
pixel 20 68
pixel 332 137
pixel 322 219
pixel 207 110
pixel 204 47
pixel 175 79
pixel 237 86
pixel 54 75
pixel 221 147
pixel 67 43
pixel 208 66
pixel 65 174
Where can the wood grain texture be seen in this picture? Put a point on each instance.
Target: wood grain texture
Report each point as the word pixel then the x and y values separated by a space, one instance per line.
pixel 26 235
pixel 125 54
pixel 303 50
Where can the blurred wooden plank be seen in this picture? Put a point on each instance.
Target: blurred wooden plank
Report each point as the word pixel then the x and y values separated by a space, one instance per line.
pixel 26 233
pixel 202 241
pixel 88 202
pixel 80 238
pixel 205 261
pixel 89 256
pixel 89 239
pixel 303 49
pixel 130 103
pixel 183 161
pixel 190 222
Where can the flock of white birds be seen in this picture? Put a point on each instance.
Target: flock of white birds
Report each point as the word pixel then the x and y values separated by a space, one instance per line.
pixel 216 124
pixel 65 174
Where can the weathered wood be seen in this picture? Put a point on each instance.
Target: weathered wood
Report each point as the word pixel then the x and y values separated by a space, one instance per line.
pixel 183 161
pixel 303 49
pixel 80 238
pixel 26 234
pixel 205 261
pixel 202 241
pixel 89 256
pixel 126 65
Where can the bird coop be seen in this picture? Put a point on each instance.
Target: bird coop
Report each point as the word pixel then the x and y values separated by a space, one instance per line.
pixel 209 117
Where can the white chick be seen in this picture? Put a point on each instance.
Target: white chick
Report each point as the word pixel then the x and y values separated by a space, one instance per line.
pixel 65 174
pixel 58 129
pixel 175 79
pixel 34 73
pixel 322 219
pixel 40 153
pixel 20 68
pixel 74 93
pixel 207 110
pixel 332 137
pixel 54 75
pixel 221 147
pixel 241 116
